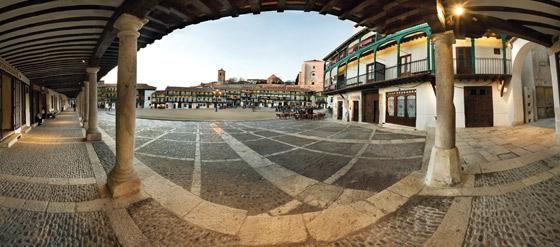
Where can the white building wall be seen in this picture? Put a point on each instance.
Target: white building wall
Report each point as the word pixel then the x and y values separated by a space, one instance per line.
pixel 148 98
pixel 425 103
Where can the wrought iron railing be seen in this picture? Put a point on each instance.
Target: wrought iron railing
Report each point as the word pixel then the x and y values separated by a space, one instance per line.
pixel 482 66
pixel 389 73
pixel 492 66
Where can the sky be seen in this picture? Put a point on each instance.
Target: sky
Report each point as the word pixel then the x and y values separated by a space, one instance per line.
pixel 249 46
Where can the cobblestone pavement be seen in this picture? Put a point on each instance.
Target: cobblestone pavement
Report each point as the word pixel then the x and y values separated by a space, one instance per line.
pixel 42 179
pixel 412 225
pixel 528 217
pixel 162 228
pixel 26 228
pixel 288 183
pixel 495 178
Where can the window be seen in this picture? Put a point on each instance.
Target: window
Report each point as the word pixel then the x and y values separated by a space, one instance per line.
pixel 370 70
pixel 411 106
pixel 400 106
pixel 497 51
pixel 405 64
pixel 391 106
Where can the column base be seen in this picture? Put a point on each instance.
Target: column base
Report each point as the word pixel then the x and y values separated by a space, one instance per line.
pixel 444 168
pixel 93 136
pixel 123 188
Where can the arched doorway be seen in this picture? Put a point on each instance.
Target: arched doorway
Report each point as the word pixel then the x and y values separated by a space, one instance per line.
pixel 532 80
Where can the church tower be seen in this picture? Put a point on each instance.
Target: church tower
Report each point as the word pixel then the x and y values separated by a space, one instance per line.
pixel 221 76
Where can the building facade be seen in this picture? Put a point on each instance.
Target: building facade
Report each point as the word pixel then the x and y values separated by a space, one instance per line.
pixel 272 92
pixel 233 95
pixel 21 101
pixel 390 80
pixel 107 95
pixel 311 75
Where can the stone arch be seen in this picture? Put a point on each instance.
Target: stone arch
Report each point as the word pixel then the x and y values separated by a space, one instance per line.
pixel 520 50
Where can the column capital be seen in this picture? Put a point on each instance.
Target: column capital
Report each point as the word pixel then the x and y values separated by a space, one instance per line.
pixel 448 37
pixel 92 70
pixel 128 24
pixel 554 48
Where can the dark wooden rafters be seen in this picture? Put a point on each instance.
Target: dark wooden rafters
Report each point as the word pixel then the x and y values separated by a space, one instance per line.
pixel 203 7
pixel 356 7
pixel 255 6
pixel 84 28
pixel 139 8
pixel 64 47
pixel 309 5
pixel 519 31
pixel 328 7
pixel 229 5
pixel 281 5
pixel 49 42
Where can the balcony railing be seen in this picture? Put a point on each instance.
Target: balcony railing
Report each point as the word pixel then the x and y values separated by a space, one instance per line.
pixel 380 74
pixel 482 66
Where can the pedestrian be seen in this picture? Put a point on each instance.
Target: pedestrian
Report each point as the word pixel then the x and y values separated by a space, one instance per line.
pixel 38 119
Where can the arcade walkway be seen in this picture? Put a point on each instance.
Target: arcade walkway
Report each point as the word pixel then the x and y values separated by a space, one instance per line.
pixel 52 190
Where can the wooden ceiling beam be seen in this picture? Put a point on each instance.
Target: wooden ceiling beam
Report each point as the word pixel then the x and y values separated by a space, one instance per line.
pixel 256 6
pixel 353 9
pixel 281 5
pixel 202 7
pixel 140 8
pixel 309 4
pixel 328 7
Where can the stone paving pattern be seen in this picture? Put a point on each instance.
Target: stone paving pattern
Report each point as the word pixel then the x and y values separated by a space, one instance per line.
pixel 64 160
pixel 36 158
pixel 169 149
pixel 341 163
pixel 483 145
pixel 237 185
pixel 105 155
pixel 165 229
pixel 412 225
pixel 26 228
pixel 53 193
pixel 527 217
pixel 495 178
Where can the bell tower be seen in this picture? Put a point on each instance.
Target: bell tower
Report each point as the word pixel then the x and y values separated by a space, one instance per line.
pixel 221 76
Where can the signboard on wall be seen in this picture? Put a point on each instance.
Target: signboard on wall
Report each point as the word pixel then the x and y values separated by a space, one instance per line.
pixel 6 67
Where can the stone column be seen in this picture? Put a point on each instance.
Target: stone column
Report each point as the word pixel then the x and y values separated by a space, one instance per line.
pixel 92 133
pixel 555 76
pixel 85 104
pixel 82 105
pixel 123 179
pixel 77 102
pixel 444 168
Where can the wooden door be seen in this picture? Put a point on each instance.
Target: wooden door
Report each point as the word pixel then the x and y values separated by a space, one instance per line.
pixel 355 111
pixel 339 110
pixel 464 60
pixel 479 110
pixel 401 107
pixel 371 108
